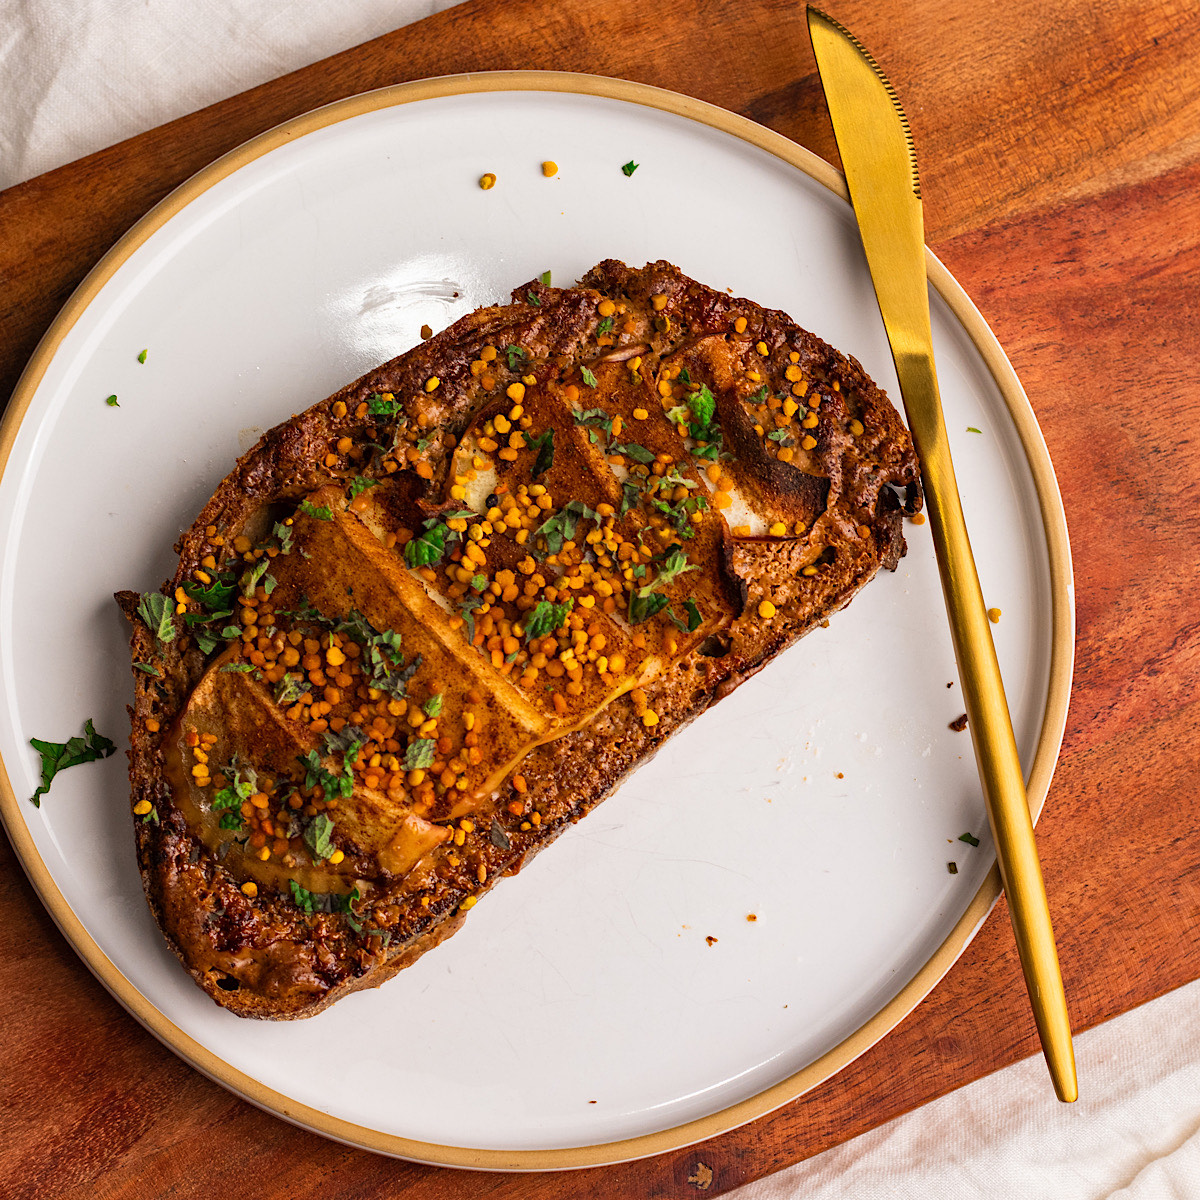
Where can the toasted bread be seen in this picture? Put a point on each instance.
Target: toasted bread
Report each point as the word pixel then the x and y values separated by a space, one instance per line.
pixel 426 624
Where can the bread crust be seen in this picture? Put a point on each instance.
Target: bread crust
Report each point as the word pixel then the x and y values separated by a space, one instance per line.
pixel 260 955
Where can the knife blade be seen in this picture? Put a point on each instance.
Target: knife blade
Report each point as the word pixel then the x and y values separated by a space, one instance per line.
pixel 880 162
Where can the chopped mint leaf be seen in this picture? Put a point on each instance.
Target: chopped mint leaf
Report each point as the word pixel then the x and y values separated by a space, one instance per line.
pixel 545 279
pixel 241 668
pixel 562 526
pixel 290 688
pixel 327 902
pixel 112 402
pixel 588 377
pixel 629 496
pixel 629 168
pixel 158 611
pixel 315 774
pixel 433 706
pixel 533 299
pixel 595 417
pixel 377 406
pixel 142 356
pixel 358 485
pixel 969 838
pixel 544 444
pixel 58 756
pixel 317 837
pixel 634 451
pixel 605 326
pixel 546 618
pixel 498 837
pixel 420 754
pixel 320 512
pixel 148 669
pixel 252 575
pixel 643 607
pixel 703 404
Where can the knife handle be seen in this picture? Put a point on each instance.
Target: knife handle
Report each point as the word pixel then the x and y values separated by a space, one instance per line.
pixel 990 724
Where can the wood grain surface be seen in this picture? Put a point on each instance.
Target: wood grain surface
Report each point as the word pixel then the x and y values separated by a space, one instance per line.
pixel 1060 147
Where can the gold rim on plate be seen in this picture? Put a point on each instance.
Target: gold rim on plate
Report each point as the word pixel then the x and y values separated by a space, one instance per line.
pixel 1049 739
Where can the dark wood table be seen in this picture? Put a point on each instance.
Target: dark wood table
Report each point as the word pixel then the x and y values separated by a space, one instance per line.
pixel 1060 147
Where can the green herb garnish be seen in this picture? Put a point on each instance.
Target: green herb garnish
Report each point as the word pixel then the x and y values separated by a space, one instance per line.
pixel 111 401
pixel 596 417
pixel 972 429
pixel 969 838
pixel 142 356
pixel 703 405
pixel 517 356
pixel 420 754
pixel 317 836
pixel 433 706
pixel 692 623
pixel 544 445
pixel 316 775
pixel 644 604
pixel 148 669
pixel 647 601
pixel 319 512
pixel 629 168
pixel 634 451
pixel 563 525
pixel 605 326
pixel 58 756
pixel 229 800
pixel 428 547
pixel 290 688
pixel 216 597
pixel 158 611
pixel 325 902
pixel 533 299
pixel 498 837
pixel 252 576
pixel 630 494
pixel 588 377
pixel 377 406
pixel 382 660
pixel 546 618
pixel 545 279
pixel 358 485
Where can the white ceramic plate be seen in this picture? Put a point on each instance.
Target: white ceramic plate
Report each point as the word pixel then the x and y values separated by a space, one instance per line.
pixel 581 1016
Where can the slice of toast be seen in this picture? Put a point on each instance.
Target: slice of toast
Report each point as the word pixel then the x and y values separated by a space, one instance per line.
pixel 432 620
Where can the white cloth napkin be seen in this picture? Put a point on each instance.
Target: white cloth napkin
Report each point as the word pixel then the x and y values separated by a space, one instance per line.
pixel 78 75
pixel 1134 1134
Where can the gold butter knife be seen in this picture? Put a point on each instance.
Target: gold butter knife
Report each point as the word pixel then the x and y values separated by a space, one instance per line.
pixel 880 162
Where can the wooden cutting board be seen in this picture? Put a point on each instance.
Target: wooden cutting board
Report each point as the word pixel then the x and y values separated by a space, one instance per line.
pixel 1060 148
